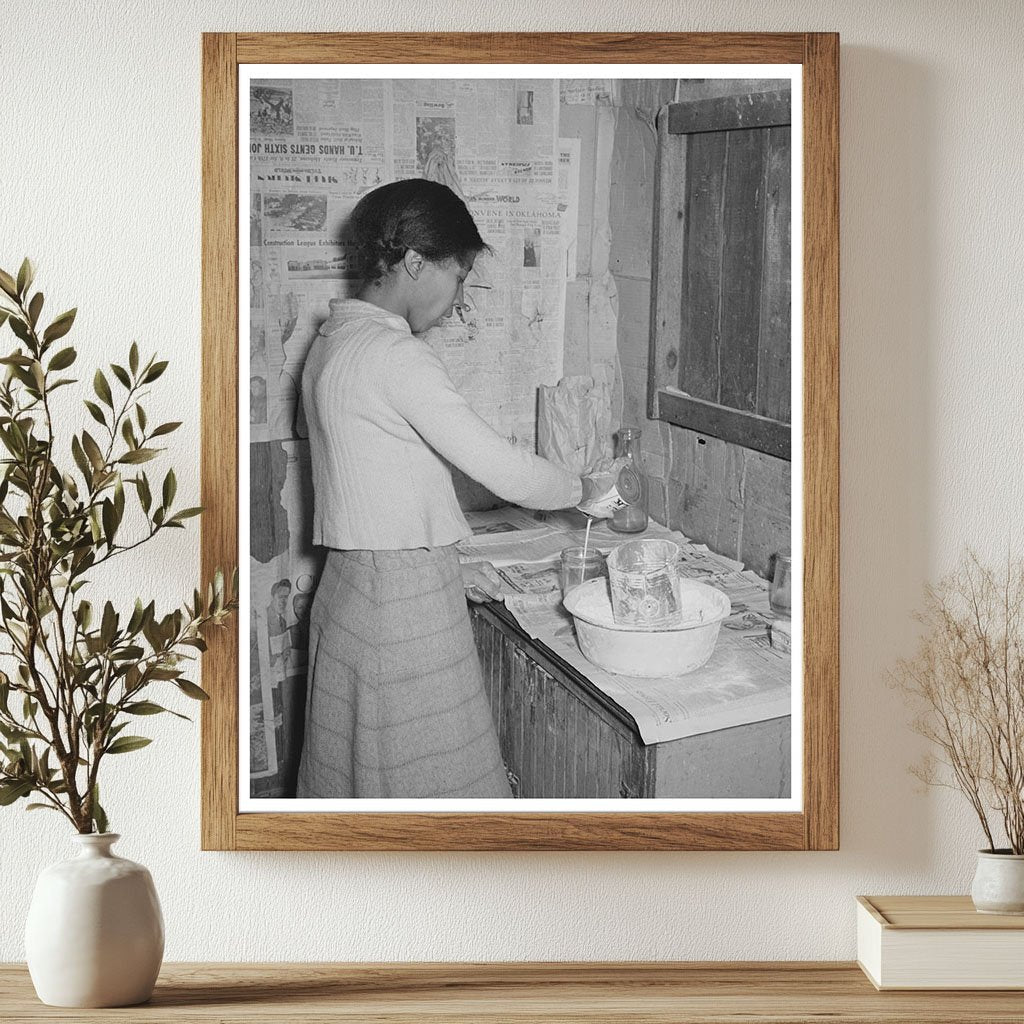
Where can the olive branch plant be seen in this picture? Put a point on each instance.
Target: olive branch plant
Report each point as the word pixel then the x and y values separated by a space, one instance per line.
pixel 966 680
pixel 80 675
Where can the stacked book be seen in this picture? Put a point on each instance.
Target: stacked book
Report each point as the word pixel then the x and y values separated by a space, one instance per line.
pixel 938 942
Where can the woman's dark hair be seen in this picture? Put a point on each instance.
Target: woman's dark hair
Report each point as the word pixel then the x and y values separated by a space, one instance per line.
pixel 411 214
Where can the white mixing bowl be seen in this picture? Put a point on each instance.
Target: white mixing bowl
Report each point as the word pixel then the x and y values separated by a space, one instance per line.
pixel 652 653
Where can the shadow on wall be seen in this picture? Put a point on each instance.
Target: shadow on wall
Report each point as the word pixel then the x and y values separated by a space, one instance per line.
pixel 889 267
pixel 888 274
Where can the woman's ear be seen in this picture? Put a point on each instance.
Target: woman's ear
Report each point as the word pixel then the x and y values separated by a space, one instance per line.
pixel 413 262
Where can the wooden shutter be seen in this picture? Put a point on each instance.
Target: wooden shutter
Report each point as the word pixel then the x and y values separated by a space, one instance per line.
pixel 720 300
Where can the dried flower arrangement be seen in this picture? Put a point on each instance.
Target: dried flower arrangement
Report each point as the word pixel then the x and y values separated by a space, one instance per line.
pixel 967 680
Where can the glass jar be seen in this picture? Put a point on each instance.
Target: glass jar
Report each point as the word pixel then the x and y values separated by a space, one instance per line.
pixel 780 590
pixel 579 565
pixel 631 518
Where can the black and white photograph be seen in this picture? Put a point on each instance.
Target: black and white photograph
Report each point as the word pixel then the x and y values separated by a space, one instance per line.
pixel 523 462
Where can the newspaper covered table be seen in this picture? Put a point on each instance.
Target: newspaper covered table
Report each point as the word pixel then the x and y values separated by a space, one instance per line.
pixel 747 678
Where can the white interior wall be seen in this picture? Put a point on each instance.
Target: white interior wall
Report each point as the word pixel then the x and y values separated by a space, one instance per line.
pixel 100 183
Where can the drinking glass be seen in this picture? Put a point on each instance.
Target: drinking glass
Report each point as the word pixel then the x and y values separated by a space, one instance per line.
pixel 576 569
pixel 780 590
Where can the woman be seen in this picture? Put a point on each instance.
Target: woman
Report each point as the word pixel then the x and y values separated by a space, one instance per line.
pixel 396 705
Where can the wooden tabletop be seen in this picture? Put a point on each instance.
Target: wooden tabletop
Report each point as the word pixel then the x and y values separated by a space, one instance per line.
pixel 659 993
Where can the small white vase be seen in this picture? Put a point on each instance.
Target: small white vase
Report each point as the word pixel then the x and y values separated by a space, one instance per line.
pixel 95 934
pixel 999 882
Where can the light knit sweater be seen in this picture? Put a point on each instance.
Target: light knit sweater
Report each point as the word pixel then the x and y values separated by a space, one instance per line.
pixel 385 420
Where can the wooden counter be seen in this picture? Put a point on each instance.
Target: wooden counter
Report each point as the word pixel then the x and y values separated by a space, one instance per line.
pixel 795 993
pixel 562 737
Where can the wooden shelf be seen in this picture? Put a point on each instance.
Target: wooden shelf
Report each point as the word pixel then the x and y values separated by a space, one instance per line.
pixel 658 993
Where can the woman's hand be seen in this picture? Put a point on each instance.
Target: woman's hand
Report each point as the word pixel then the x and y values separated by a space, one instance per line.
pixel 481 582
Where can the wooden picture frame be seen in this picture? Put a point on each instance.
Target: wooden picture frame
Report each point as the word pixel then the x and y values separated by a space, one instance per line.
pixel 816 826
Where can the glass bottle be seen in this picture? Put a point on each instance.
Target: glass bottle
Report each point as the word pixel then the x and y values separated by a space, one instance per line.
pixel 632 518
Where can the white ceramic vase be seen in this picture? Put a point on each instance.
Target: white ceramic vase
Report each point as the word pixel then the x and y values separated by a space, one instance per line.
pixel 999 883
pixel 95 933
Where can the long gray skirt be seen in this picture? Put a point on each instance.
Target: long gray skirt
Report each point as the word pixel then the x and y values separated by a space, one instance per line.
pixel 395 702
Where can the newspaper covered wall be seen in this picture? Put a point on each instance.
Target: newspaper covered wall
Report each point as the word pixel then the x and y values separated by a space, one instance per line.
pixel 317 146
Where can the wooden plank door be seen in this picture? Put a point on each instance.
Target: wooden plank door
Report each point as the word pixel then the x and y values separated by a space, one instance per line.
pixel 721 326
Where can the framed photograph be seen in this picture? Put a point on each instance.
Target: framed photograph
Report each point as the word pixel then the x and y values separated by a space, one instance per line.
pixel 456 273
